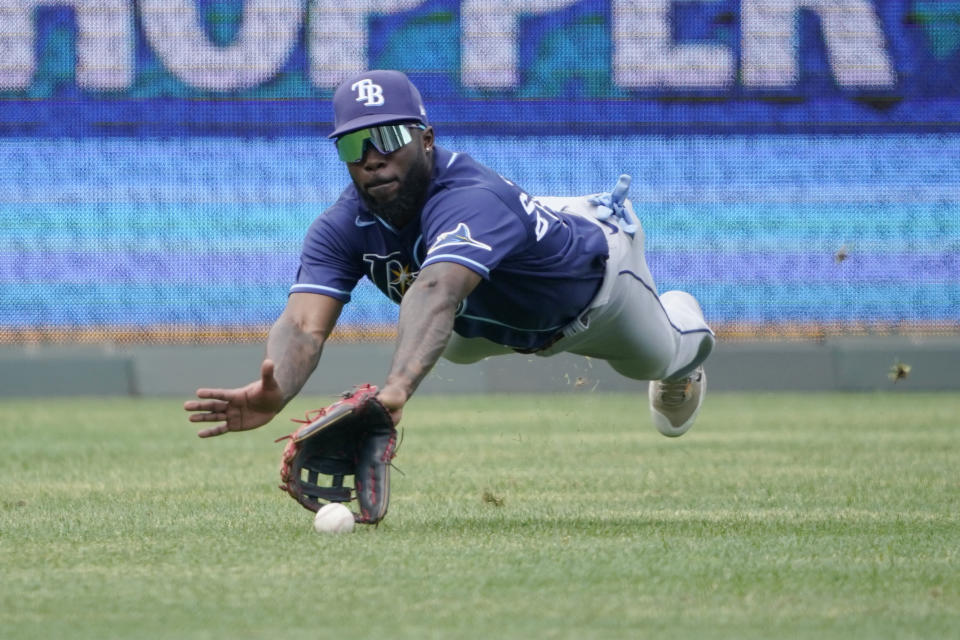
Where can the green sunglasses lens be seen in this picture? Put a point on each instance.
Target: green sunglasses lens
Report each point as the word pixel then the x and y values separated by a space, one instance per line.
pixel 385 139
pixel 350 146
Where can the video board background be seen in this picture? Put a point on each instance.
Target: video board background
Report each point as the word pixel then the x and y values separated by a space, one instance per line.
pixel 161 161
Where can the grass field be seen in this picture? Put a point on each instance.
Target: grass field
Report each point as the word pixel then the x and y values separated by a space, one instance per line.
pixel 778 516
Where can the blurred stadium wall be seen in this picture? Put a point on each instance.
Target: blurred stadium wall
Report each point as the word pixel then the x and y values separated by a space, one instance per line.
pixel 796 166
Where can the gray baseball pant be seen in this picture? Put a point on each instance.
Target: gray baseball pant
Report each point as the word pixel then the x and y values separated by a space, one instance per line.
pixel 642 334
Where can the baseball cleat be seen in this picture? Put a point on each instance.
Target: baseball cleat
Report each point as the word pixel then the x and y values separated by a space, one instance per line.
pixel 674 404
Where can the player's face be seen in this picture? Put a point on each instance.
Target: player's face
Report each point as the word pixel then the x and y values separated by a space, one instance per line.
pixel 394 185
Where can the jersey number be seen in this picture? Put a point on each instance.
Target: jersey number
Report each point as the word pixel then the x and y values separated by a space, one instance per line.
pixel 543 215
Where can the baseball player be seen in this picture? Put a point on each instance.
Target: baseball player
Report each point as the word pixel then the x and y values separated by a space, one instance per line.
pixel 479 268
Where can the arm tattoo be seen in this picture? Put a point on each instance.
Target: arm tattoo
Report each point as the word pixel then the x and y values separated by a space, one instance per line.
pixel 426 323
pixel 295 353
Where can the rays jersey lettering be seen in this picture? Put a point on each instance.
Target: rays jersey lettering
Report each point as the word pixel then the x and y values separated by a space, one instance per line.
pixel 393 277
pixel 390 274
pixel 543 215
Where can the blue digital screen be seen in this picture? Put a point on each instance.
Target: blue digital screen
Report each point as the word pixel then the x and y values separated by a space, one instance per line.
pixel 796 163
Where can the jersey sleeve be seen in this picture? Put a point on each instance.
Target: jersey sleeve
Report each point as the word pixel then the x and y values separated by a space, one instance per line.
pixel 326 264
pixel 472 227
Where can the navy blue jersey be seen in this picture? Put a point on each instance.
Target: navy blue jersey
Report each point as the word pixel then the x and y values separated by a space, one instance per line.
pixel 540 268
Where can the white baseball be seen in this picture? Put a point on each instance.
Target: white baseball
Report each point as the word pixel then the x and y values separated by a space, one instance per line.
pixel 333 518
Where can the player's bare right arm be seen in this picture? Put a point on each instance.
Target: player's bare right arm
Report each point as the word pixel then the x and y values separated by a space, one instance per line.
pixel 293 350
pixel 297 337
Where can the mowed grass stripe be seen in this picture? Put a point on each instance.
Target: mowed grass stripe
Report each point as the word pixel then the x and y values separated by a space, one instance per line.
pixel 552 516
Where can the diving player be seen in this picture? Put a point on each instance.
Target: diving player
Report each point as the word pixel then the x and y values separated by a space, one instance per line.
pixel 479 268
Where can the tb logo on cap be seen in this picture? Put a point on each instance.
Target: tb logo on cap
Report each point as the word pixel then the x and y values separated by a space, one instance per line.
pixel 367 90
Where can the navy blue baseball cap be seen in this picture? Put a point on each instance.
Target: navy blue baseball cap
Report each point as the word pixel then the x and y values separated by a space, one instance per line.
pixel 373 98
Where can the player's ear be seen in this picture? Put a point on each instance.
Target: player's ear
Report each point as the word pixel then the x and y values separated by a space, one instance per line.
pixel 426 137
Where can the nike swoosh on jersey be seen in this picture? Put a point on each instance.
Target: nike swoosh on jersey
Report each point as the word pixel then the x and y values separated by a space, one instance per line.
pixel 363 223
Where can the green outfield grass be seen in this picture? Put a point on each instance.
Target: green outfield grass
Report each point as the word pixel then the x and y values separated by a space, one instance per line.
pixel 554 516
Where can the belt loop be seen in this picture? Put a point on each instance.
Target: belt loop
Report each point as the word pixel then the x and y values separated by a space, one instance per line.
pixel 581 323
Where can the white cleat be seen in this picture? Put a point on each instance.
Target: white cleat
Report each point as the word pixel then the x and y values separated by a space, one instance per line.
pixel 674 404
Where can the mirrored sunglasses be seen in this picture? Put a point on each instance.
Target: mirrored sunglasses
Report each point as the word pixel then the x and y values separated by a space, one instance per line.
pixel 385 139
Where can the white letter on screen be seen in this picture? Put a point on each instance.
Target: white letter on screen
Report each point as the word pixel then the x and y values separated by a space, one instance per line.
pixel 491 39
pixel 337 41
pixel 268 32
pixel 646 56
pixel 851 31
pixel 104 43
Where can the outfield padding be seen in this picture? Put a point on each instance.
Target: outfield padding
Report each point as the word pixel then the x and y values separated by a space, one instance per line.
pixel 847 364
pixel 66 372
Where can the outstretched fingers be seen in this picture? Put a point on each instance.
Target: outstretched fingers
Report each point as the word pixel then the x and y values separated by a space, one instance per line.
pixel 216 394
pixel 212 431
pixel 238 409
pixel 211 407
pixel 210 416
pixel 215 405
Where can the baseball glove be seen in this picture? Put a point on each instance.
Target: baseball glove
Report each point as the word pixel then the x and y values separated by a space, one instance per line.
pixel 354 436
